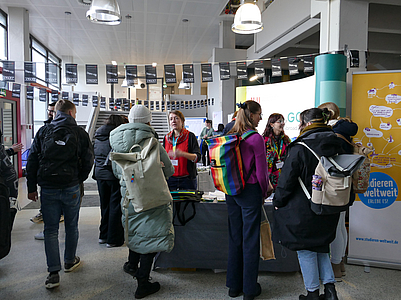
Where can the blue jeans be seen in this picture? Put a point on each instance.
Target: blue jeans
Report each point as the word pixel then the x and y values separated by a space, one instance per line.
pixel 53 203
pixel 315 265
pixel 181 183
pixel 339 245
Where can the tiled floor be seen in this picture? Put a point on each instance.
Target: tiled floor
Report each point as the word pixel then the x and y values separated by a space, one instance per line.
pixel 23 272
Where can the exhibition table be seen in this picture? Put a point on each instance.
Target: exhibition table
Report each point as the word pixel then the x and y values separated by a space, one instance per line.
pixel 203 242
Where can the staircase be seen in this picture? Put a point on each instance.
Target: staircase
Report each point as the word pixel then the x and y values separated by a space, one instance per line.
pixel 159 121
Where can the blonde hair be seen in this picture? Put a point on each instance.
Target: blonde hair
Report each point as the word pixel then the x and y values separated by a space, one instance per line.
pixel 333 109
pixel 64 105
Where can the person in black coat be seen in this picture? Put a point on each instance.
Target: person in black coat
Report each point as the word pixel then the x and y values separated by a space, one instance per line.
pixel 111 229
pixel 296 226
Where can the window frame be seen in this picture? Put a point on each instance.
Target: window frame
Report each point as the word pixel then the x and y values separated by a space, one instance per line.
pixel 5 27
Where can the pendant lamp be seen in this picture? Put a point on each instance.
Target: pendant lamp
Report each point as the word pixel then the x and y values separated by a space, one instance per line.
pixel 104 12
pixel 248 19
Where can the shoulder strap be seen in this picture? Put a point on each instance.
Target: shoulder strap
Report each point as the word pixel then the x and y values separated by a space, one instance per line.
pixel 305 145
pixel 343 137
pixel 247 133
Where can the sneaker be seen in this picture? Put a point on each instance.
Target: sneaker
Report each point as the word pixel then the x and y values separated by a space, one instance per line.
pixel 40 236
pixel 114 245
pixel 38 218
pixel 52 281
pixel 62 218
pixel 102 241
pixel 72 266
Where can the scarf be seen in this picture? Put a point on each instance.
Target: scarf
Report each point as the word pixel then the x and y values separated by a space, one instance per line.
pixel 182 137
pixel 313 126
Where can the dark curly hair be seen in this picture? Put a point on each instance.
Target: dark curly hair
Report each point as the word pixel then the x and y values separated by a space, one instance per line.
pixel 273 118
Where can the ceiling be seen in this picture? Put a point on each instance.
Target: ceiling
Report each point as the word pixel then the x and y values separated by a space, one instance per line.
pixel 155 33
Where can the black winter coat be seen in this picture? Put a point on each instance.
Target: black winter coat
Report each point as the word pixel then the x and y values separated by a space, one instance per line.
pixel 296 226
pixel 103 169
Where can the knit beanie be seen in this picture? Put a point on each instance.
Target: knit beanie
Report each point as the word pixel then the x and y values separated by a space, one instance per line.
pixel 139 114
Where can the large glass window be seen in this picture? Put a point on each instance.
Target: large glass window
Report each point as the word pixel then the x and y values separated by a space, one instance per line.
pixel 3 35
pixel 41 55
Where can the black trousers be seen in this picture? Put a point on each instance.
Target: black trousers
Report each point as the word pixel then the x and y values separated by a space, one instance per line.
pixel 111 228
pixel 205 151
pixel 145 262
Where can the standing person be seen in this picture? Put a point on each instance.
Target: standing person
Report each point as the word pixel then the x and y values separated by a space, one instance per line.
pixel 61 158
pixel 51 113
pixel 244 210
pixel 206 132
pixel 183 150
pixel 296 226
pixel 111 229
pixel 230 125
pixel 345 128
pixel 276 142
pixel 149 231
pixel 220 129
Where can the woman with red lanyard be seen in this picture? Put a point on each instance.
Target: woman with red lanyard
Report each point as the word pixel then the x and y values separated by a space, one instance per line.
pixel 183 149
pixel 276 146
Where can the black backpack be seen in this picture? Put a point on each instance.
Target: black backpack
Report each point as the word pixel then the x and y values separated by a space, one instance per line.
pixel 59 154
pixel 7 216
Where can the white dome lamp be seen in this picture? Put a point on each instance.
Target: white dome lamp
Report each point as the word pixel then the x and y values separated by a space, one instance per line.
pixel 248 19
pixel 104 12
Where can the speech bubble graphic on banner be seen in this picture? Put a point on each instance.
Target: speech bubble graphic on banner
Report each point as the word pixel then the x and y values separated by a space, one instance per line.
pixel 372 133
pixel 385 126
pixel 393 98
pixel 382 191
pixel 381 111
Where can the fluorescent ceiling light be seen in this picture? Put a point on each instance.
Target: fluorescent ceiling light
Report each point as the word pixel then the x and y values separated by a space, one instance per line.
pixel 248 19
pixel 154 64
pixel 104 12
pixel 114 63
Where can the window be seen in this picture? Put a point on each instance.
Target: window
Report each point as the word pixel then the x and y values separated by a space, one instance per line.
pixel 3 35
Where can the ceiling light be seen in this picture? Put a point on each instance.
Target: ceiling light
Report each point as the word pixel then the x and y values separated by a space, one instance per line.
pixel 104 12
pixel 114 63
pixel 154 64
pixel 125 84
pixel 248 19
pixel 253 78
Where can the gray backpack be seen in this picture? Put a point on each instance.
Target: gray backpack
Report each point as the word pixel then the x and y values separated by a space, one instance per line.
pixel 331 184
pixel 143 175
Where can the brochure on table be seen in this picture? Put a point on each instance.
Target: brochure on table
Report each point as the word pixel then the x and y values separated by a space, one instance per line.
pixel 375 233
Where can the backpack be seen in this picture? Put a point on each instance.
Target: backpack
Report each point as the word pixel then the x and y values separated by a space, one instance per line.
pixel 360 179
pixel 143 175
pixel 7 215
pixel 59 159
pixel 331 184
pixel 182 199
pixel 226 163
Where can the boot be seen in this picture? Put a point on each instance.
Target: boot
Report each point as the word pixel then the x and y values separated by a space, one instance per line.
pixel 342 265
pixel 337 272
pixel 329 292
pixel 146 288
pixel 311 296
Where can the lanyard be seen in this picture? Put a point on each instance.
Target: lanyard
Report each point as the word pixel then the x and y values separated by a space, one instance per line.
pixel 281 148
pixel 175 143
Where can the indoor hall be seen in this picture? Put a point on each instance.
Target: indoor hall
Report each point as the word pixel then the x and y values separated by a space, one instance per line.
pixel 100 276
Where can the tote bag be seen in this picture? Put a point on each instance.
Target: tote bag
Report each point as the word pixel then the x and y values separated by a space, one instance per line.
pixel 266 243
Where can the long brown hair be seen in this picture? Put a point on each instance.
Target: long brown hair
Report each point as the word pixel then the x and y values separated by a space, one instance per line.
pixel 273 118
pixel 243 120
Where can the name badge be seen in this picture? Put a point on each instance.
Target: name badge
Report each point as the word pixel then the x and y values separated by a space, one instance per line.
pixel 175 162
pixel 279 164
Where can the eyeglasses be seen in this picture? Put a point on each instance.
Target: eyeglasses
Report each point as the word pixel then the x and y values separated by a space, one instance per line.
pixel 280 121
pixel 51 111
pixel 260 114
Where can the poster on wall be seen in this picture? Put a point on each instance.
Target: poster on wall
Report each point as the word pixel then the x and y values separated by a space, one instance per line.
pixel 91 74
pixel 51 73
pixel 241 70
pixel 151 75
pixel 54 95
pixel 206 70
pixel 29 93
pixel 29 72
pixel 308 64
pixel 276 67
pixel 188 72
pixel 42 94
pixel 131 73
pixel 111 74
pixel 374 234
pixel 111 103
pixel 16 90
pixel 293 65
pixel 224 70
pixel 75 99
pixel 117 103
pixel 85 100
pixel 94 101
pixel 259 68
pixel 64 95
pixel 71 73
pixel 169 73
pixel 8 73
pixel 299 95
pixel 126 104
pixel 195 125
pixel 102 102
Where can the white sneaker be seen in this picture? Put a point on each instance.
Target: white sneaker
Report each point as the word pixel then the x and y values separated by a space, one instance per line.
pixel 40 236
